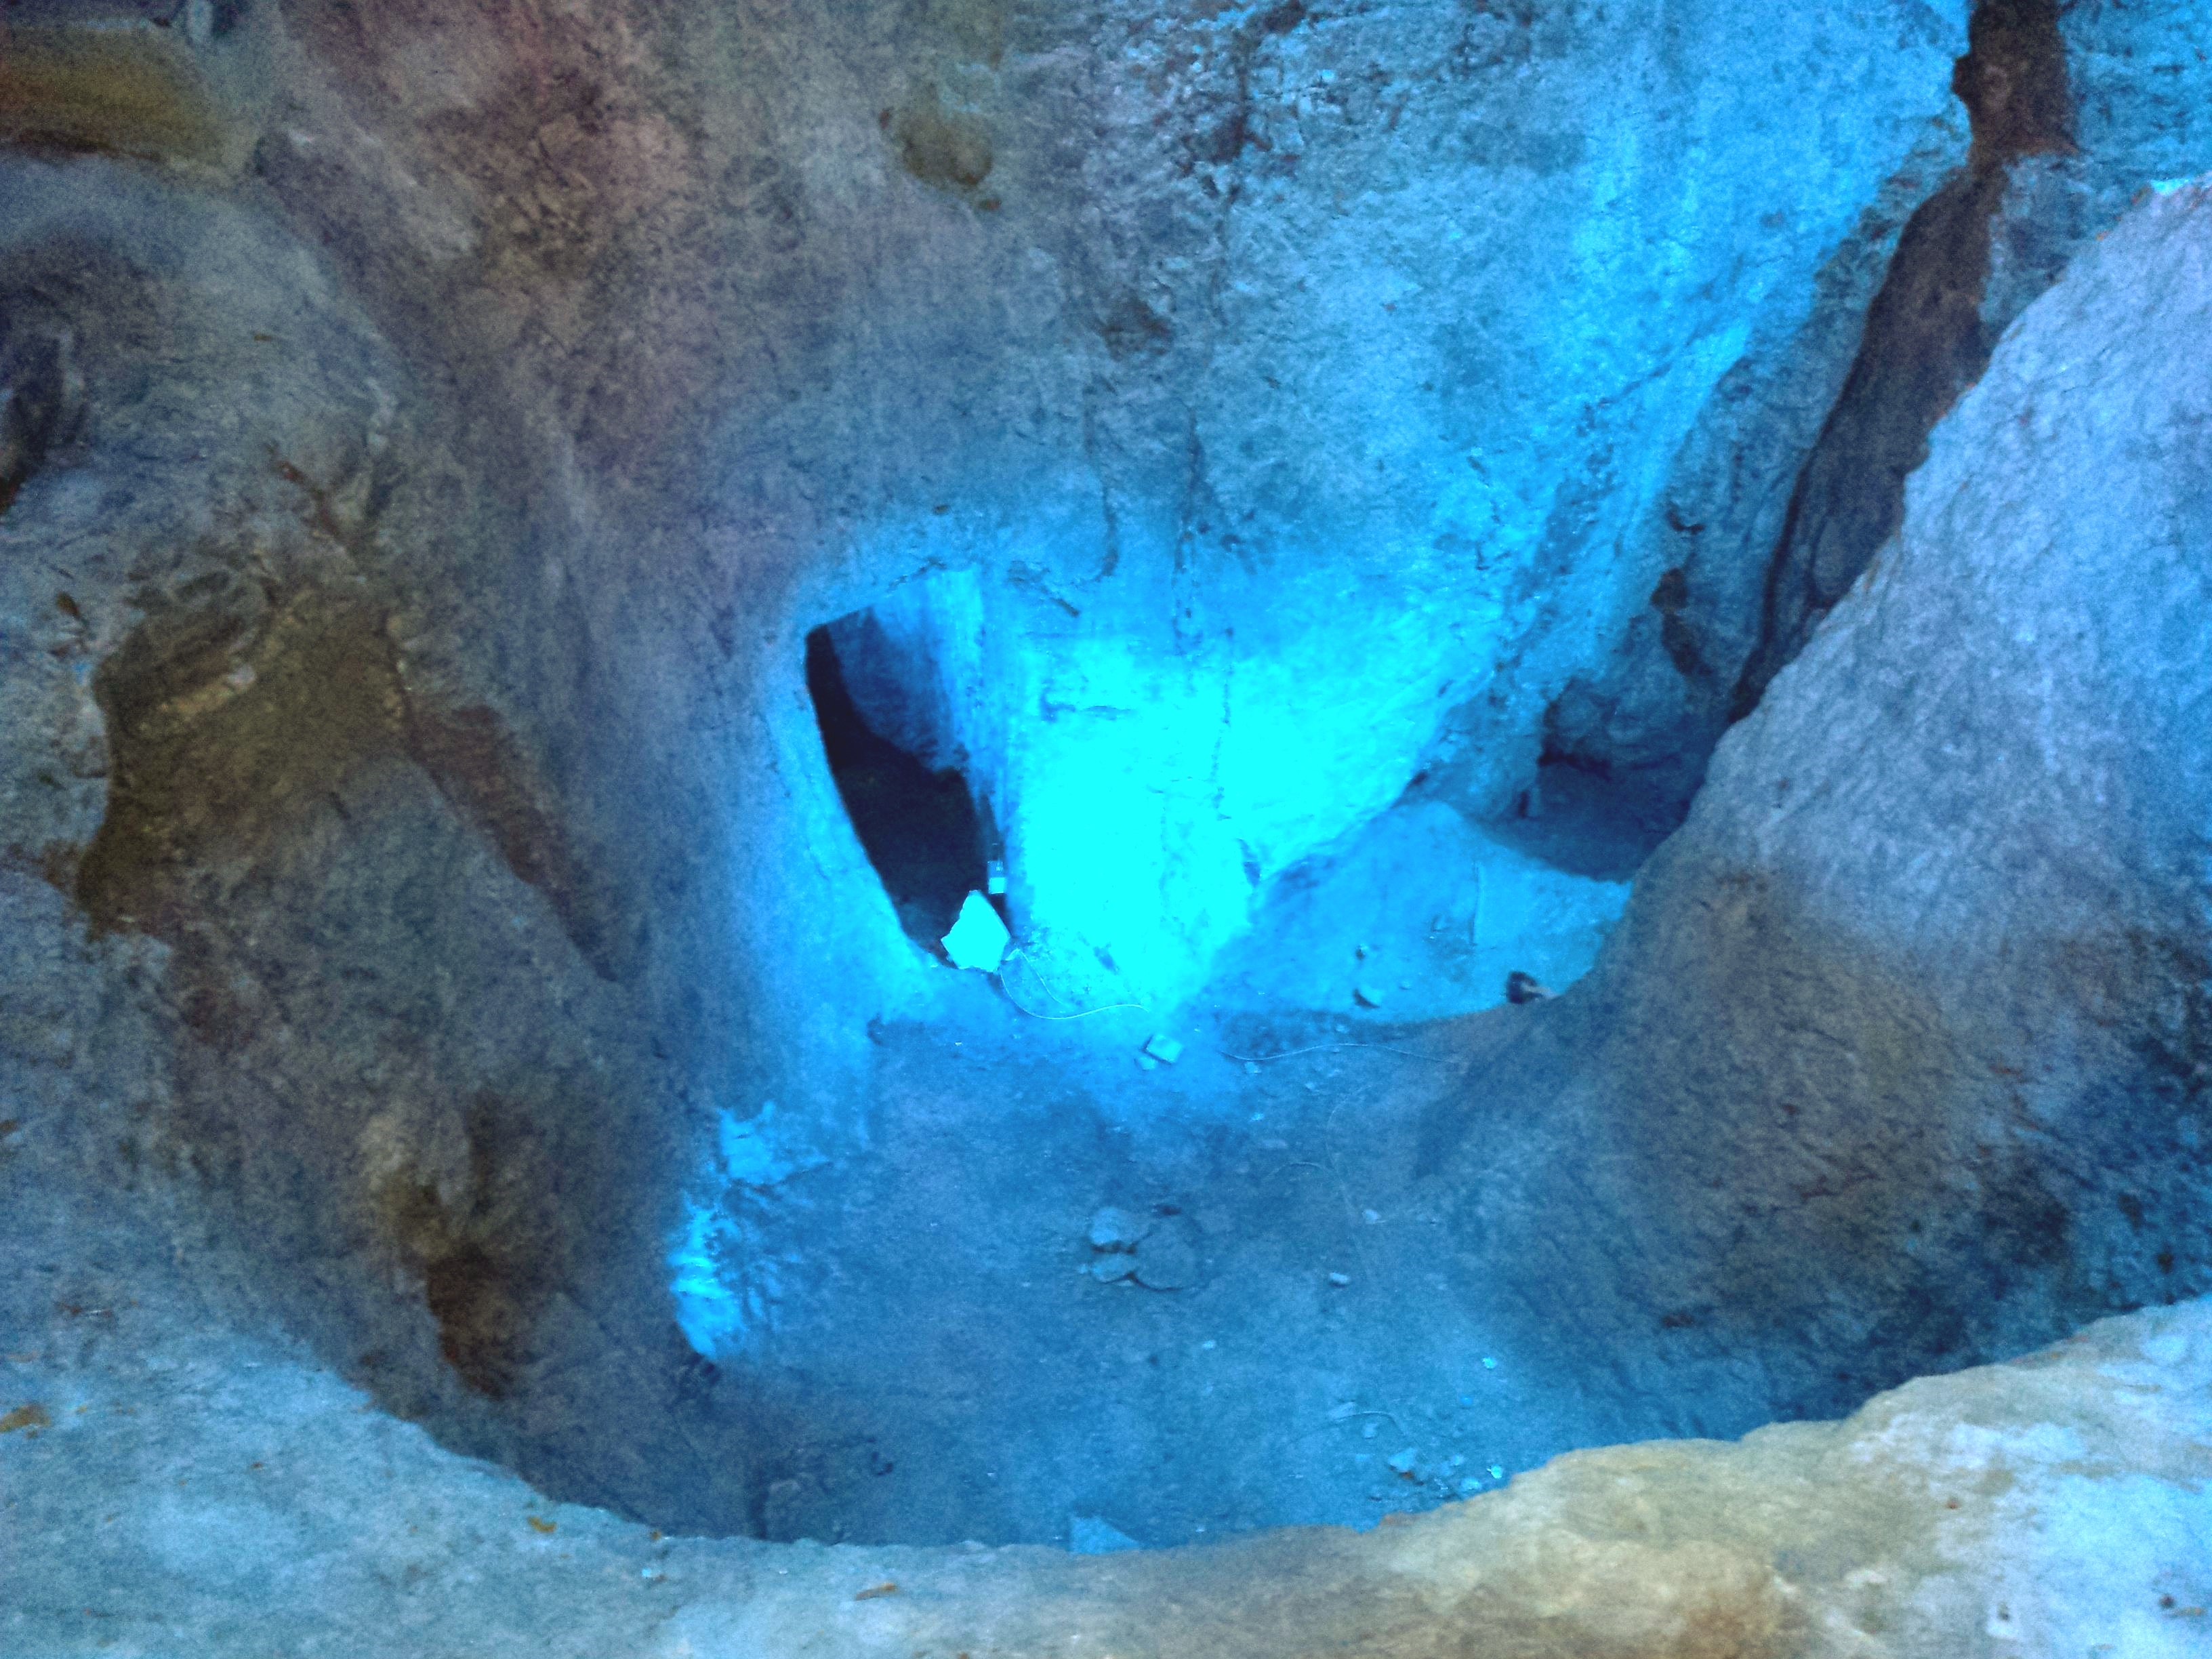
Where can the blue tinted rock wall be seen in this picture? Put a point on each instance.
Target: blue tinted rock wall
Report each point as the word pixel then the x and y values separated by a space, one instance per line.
pixel 1305 423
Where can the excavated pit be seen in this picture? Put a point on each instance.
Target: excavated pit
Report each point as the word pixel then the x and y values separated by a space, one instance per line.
pixel 1334 1290
pixel 472 894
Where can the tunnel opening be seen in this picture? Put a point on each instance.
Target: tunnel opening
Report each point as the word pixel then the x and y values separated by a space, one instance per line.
pixel 918 821
pixel 1586 816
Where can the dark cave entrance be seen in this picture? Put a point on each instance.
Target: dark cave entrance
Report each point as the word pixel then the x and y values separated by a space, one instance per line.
pixel 918 821
pixel 1587 817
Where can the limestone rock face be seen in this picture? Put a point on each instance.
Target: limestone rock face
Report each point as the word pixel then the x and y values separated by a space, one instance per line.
pixel 431 434
pixel 2056 1505
pixel 1755 550
pixel 1914 1002
pixel 1223 410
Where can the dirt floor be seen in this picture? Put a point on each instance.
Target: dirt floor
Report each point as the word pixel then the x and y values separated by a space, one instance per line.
pixel 1307 1331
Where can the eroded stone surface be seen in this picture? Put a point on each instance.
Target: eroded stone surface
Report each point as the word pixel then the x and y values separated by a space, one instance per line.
pixel 1143 369
pixel 1919 988
pixel 199 1489
pixel 461 461
pixel 1751 555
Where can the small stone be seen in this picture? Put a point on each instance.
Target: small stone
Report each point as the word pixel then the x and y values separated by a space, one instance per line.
pixel 1340 1280
pixel 1169 1261
pixel 1469 1485
pixel 1367 996
pixel 1371 1217
pixel 1091 1535
pixel 1118 1230
pixel 1361 951
pixel 1112 1269
pixel 1147 1063
pixel 1251 1068
pixel 1488 1364
pixel 1164 1048
pixel 1402 1463
pixel 1497 1471
pixel 1521 988
pixel 979 937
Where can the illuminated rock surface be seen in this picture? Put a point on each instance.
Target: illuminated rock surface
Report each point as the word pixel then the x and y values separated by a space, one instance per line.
pixel 1303 490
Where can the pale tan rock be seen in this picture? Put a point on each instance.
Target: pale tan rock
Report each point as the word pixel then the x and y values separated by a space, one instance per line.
pixel 2051 1505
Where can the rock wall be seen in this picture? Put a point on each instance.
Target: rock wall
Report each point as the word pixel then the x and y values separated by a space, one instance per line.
pixel 1761 549
pixel 1900 1047
pixel 1174 334
pixel 431 433
pixel 2053 1505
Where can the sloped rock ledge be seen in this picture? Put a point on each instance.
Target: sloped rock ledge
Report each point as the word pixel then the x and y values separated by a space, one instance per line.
pixel 2058 1504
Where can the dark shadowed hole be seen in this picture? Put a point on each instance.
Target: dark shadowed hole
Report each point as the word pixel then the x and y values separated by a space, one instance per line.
pixel 41 403
pixel 918 824
pixel 1591 820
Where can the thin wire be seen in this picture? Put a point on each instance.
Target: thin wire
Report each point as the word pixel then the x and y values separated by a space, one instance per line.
pixel 1046 984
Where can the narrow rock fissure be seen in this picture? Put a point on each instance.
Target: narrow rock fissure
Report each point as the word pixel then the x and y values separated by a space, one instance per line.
pixel 1926 338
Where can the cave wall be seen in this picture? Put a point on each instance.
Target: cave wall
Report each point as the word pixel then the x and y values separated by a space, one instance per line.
pixel 1265 399
pixel 2075 110
pixel 1899 1052
pixel 433 431
pixel 304 956
pixel 1168 333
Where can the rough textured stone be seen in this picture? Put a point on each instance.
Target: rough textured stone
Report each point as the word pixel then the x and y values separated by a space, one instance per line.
pixel 1919 985
pixel 2051 1505
pixel 1762 542
pixel 1118 1230
pixel 1215 381
pixel 431 433
pixel 1170 1258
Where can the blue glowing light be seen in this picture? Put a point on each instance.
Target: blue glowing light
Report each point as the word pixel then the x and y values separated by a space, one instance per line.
pixel 722 1280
